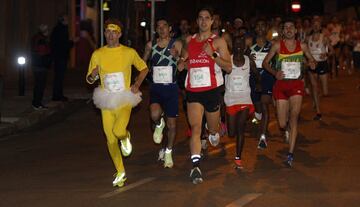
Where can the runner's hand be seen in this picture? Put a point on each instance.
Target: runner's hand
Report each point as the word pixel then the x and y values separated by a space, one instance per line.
pixel 135 88
pixel 252 56
pixel 279 75
pixel 95 72
pixel 207 48
pixel 181 65
pixel 174 52
pixel 312 65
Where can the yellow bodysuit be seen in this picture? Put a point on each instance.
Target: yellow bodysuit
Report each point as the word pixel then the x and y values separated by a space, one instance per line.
pixel 115 121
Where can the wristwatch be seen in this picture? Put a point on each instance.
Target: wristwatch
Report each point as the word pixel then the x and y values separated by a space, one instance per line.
pixel 214 55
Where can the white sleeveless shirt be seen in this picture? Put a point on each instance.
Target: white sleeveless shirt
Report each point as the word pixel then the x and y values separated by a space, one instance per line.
pixel 317 48
pixel 237 87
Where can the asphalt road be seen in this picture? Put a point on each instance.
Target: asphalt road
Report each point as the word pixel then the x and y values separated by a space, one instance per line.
pixel 67 163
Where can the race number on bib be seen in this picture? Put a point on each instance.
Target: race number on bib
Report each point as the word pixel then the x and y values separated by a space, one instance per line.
pixel 114 82
pixel 291 70
pixel 162 74
pixel 200 77
pixel 259 58
pixel 238 83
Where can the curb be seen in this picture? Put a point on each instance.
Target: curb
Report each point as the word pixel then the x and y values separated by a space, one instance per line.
pixel 32 119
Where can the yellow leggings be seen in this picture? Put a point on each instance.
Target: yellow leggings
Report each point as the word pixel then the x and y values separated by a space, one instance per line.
pixel 114 124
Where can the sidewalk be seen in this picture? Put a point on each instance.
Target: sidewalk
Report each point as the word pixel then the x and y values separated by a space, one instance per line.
pixel 17 113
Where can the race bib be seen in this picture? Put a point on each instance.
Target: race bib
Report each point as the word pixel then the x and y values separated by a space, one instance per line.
pixel 200 77
pixel 162 74
pixel 291 70
pixel 259 58
pixel 238 83
pixel 114 82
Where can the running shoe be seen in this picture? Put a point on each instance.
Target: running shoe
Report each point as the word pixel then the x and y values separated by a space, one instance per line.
pixel 195 176
pixel 126 147
pixel 317 117
pixel 214 139
pixel 158 132
pixel 168 161
pixel 289 160
pixel 39 107
pixel 262 142
pixel 255 121
pixel 161 154
pixel 287 136
pixel 120 179
pixel 204 144
pixel 238 164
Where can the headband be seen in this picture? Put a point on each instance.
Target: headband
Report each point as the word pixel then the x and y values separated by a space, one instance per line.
pixel 113 27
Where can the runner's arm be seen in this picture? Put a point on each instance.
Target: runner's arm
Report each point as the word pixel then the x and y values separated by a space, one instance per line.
pixel 257 75
pixel 138 80
pixel 147 51
pixel 266 63
pixel 311 60
pixel 224 58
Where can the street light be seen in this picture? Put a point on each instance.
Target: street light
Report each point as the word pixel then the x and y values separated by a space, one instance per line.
pixel 21 62
pixel 143 23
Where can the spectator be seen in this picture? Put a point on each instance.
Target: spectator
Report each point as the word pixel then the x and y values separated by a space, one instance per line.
pixel 41 60
pixel 60 46
pixel 85 46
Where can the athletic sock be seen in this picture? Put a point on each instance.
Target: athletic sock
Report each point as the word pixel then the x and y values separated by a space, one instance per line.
pixel 195 159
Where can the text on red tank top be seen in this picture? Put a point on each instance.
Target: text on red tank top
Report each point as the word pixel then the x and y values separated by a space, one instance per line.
pixel 197 59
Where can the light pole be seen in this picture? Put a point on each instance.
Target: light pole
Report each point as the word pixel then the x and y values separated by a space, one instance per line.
pixel 21 62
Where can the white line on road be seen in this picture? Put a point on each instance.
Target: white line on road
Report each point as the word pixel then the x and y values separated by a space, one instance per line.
pixel 243 200
pixel 128 187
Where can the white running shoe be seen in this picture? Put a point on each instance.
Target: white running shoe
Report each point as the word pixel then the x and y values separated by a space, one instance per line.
pixel 214 139
pixel 161 154
pixel 120 179
pixel 126 147
pixel 287 136
pixel 262 142
pixel 158 132
pixel 204 144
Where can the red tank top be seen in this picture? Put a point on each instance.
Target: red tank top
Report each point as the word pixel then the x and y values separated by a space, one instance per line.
pixel 203 73
pixel 284 50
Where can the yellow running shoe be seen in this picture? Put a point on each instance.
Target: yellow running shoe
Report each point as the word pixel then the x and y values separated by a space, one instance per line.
pixel 126 147
pixel 120 179
pixel 158 132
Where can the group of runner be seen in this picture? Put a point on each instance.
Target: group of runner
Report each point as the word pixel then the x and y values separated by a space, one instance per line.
pixel 224 77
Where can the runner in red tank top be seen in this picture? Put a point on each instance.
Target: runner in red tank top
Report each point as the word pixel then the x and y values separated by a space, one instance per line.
pixel 206 54
pixel 288 88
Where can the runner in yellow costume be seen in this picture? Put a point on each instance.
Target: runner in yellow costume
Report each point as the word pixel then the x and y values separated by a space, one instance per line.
pixel 115 97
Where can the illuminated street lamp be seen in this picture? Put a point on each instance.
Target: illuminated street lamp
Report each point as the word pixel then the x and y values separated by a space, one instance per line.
pixel 143 23
pixel 21 62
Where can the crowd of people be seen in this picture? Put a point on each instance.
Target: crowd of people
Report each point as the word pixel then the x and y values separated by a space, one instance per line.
pixel 225 73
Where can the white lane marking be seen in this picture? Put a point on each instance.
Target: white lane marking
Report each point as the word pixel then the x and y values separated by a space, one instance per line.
pixel 9 119
pixel 212 152
pixel 243 200
pixel 127 187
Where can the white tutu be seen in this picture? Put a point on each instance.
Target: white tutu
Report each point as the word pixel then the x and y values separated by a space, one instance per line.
pixel 104 99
